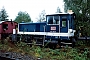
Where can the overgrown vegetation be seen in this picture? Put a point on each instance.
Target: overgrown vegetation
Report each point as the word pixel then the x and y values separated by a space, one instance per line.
pixel 78 53
pixel 82 11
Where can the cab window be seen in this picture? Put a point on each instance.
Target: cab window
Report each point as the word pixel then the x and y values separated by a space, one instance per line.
pixel 53 19
pixel 56 20
pixel 5 26
pixel 50 19
pixel 64 23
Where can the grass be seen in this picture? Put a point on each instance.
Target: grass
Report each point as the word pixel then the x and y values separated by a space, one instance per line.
pixel 47 53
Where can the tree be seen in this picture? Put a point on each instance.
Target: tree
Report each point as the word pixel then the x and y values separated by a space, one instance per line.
pixel 80 7
pixel 22 16
pixel 82 11
pixel 42 16
pixel 58 10
pixel 3 15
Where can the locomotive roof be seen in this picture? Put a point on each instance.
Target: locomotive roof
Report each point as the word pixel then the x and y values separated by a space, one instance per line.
pixel 59 13
pixel 6 21
pixel 32 23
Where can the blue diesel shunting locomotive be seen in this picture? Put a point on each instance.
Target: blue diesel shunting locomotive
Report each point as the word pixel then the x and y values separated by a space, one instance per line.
pixel 58 27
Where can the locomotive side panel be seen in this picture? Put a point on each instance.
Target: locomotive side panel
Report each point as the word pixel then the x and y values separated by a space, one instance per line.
pixel 42 27
pixel 26 27
pixel 8 27
pixel 0 28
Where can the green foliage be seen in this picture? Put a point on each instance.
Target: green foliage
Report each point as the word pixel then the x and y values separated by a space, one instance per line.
pixel 22 17
pixel 21 44
pixel 82 11
pixel 3 15
pixel 81 43
pixel 41 17
pixel 50 54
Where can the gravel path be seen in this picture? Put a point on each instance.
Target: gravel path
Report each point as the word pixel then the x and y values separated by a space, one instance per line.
pixel 16 56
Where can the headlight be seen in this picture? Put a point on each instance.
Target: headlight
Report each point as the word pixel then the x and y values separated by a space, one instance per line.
pixel 70 30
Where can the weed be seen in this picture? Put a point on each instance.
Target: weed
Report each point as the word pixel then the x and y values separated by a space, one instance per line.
pixel 47 53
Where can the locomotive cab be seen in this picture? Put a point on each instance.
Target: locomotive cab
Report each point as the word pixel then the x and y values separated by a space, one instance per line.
pixel 60 24
pixel 60 27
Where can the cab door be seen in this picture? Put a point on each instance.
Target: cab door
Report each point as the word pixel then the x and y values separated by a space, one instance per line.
pixel 64 24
